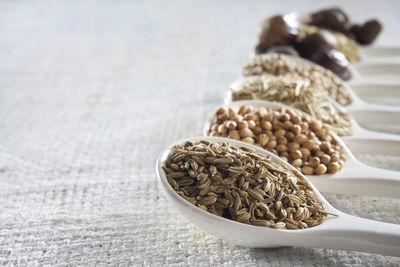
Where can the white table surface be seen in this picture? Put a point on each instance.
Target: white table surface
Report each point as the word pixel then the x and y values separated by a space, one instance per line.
pixel 91 92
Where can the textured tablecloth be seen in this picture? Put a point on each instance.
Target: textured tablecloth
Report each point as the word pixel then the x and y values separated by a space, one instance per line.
pixel 92 92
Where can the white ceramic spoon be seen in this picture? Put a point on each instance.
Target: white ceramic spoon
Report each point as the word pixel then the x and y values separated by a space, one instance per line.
pixel 374 71
pixel 358 109
pixel 345 232
pixel 363 140
pixel 359 104
pixel 373 92
pixel 355 178
pixel 364 74
pixel 380 54
pixel 376 90
pixel 364 113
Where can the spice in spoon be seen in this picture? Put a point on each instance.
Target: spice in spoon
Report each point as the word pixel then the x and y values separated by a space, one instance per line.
pixel 242 185
pixel 306 144
pixel 320 79
pixel 299 93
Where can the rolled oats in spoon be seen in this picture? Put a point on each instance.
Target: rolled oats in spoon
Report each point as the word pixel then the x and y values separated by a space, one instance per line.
pixel 320 79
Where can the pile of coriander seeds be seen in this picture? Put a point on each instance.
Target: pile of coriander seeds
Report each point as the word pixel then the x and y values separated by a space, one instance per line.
pixel 306 144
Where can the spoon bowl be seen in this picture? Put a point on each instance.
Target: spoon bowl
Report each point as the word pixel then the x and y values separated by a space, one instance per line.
pixel 343 232
pixel 355 178
pixel 358 109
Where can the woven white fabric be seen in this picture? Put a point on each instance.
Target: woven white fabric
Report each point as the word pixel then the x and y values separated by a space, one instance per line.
pixel 92 92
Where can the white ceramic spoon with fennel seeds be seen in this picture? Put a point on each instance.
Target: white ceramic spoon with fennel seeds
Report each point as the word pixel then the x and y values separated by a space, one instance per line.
pixel 344 232
pixel 377 114
pixel 356 178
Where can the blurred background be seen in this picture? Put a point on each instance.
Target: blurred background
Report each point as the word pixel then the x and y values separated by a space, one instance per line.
pixel 92 91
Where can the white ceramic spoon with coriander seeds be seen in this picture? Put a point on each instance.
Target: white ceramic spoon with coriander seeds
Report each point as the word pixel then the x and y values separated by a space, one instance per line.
pixel 355 178
pixel 366 116
pixel 362 141
pixel 344 232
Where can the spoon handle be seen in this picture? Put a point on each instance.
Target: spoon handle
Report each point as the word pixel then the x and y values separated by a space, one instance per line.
pixel 374 146
pixel 358 234
pixel 362 133
pixel 376 71
pixel 380 52
pixel 360 179
pixel 378 112
pixel 376 90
